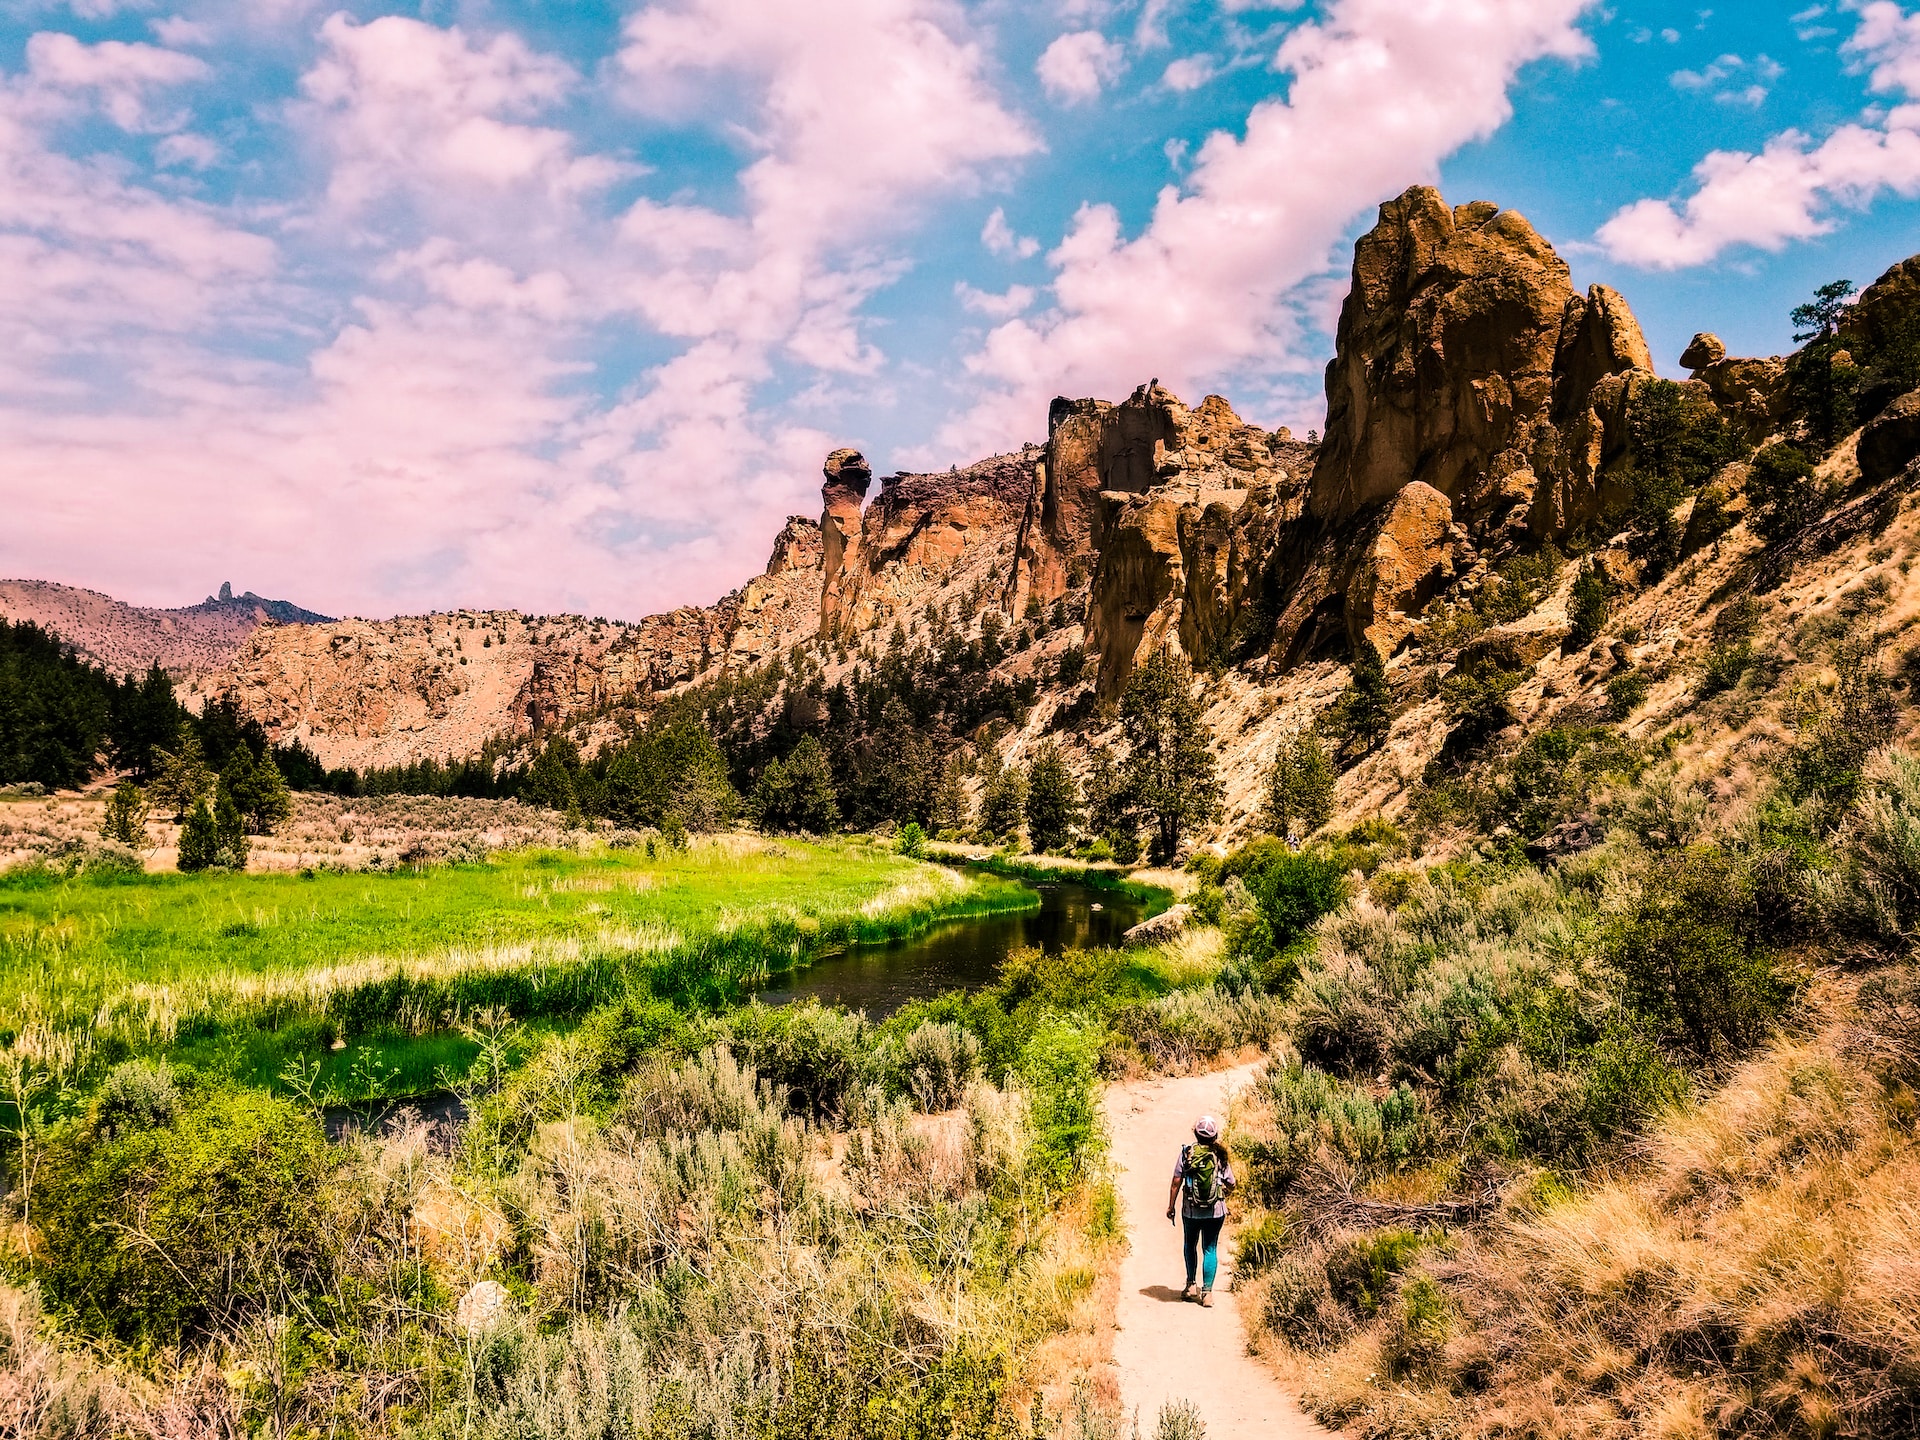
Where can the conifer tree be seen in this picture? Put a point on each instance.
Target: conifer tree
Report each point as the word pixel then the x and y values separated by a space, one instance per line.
pixel 1170 767
pixel 125 819
pixel 1053 800
pixel 1364 713
pixel 951 811
pixel 1003 802
pixel 1111 812
pixel 550 780
pixel 1299 786
pixel 199 840
pixel 797 794
pixel 1589 603
pixel 266 802
pixel 182 778
pixel 230 833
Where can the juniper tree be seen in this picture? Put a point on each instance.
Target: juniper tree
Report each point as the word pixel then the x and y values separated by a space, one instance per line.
pixel 1169 769
pixel 125 818
pixel 182 778
pixel 1003 803
pixel 1299 785
pixel 1363 714
pixel 1588 605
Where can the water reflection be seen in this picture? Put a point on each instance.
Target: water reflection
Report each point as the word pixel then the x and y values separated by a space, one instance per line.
pixel 960 954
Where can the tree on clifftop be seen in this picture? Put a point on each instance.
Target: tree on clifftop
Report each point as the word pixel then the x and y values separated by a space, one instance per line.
pixel 1169 769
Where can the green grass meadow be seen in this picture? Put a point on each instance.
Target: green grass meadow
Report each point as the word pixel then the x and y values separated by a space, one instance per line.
pixel 240 971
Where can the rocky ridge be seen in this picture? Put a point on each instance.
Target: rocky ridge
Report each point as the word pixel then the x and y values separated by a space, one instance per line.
pixel 189 642
pixel 1478 411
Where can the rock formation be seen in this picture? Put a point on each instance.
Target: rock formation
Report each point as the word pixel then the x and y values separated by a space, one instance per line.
pixel 845 491
pixel 1891 441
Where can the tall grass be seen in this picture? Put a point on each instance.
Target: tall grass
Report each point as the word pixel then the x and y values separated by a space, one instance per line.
pixel 91 966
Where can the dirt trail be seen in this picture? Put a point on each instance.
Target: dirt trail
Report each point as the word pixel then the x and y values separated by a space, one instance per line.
pixel 1167 1348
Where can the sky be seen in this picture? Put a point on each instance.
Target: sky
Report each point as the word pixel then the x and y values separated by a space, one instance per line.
pixel 559 304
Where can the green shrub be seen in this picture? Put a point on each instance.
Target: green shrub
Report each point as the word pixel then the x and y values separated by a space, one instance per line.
pixel 1840 729
pixel 1059 1066
pixel 1261 1246
pixel 154 1231
pixel 912 841
pixel 1691 963
pixel 1360 1271
pixel 1783 492
pixel 1626 693
pixel 1476 699
pixel 1290 890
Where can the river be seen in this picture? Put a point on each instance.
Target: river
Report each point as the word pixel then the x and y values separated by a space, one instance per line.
pixel 959 954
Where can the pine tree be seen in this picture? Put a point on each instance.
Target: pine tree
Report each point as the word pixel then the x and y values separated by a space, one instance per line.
pixel 125 818
pixel 1299 786
pixel 267 802
pixel 951 813
pixel 1589 603
pixel 550 780
pixel 797 794
pixel 181 777
pixel 1053 800
pixel 1364 713
pixel 1111 812
pixel 199 840
pixel 1003 803
pixel 1169 767
pixel 230 833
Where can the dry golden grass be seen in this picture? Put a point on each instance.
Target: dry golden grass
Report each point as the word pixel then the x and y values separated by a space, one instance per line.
pixel 1756 1272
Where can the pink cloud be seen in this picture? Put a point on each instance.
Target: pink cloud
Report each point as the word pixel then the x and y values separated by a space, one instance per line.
pixel 1382 90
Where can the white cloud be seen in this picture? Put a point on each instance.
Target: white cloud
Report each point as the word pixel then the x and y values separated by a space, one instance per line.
pixel 1206 288
pixel 1189 72
pixel 406 106
pixel 1758 74
pixel 443 440
pixel 121 76
pixel 1076 66
pixel 999 238
pixel 187 148
pixel 1004 306
pixel 1790 189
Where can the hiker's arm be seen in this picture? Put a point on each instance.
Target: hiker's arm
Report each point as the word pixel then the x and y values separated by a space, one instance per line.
pixel 1173 1195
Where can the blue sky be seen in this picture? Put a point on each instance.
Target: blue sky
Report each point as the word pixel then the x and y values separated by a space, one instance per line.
pixel 559 305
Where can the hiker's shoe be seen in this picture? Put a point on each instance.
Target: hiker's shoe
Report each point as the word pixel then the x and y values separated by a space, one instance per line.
pixel 1206 1299
pixel 1192 1292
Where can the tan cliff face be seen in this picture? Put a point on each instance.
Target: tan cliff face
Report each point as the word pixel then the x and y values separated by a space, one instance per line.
pixel 390 692
pixel 1477 409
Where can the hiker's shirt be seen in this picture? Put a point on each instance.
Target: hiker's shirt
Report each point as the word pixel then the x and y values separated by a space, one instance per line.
pixel 1188 1209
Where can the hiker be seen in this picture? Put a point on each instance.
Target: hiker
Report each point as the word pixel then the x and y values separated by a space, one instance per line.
pixel 1202 1180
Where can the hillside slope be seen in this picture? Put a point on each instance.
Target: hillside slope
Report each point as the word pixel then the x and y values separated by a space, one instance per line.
pixel 192 640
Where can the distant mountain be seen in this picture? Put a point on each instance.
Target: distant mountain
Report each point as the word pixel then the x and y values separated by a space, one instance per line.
pixel 283 612
pixel 188 642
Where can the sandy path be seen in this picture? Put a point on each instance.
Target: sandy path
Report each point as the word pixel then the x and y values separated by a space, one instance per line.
pixel 1168 1349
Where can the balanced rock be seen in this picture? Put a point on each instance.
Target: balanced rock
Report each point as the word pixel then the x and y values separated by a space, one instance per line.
pixel 1706 349
pixel 1891 441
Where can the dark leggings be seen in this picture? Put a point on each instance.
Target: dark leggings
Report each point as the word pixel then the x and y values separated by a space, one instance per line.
pixel 1203 1235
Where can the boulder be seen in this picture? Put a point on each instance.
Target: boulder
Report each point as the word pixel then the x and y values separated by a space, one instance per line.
pixel 1410 558
pixel 1706 349
pixel 1891 440
pixel 1519 646
pixel 1164 926
pixel 482 1307
pixel 1752 393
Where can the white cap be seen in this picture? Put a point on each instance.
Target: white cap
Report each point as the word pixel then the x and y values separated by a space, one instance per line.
pixel 1207 1128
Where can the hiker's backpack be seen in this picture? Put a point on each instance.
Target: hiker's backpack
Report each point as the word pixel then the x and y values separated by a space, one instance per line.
pixel 1201 1178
